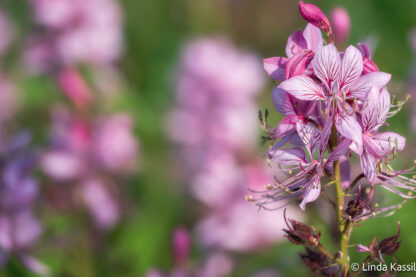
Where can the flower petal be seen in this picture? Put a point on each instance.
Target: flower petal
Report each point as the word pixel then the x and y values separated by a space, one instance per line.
pixel 363 84
pixel 365 50
pixel 351 68
pixel 310 136
pixel 282 101
pixel 389 140
pixel 312 192
pixel 295 44
pixel 327 64
pixel 375 111
pixel 368 165
pixel 289 156
pixel 349 127
pixel 313 37
pixel 303 88
pixel 286 125
pixel 339 151
pixel 275 67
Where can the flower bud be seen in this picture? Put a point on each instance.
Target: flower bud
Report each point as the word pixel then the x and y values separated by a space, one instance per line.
pixel 341 24
pixel 390 245
pixel 315 16
pixel 298 64
pixel 318 262
pixel 299 233
pixel 181 244
pixel 74 87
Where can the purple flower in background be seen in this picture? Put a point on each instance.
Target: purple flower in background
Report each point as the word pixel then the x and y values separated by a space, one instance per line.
pixel 73 32
pixel 19 228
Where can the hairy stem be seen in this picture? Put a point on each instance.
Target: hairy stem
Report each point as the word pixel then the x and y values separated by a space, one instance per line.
pixel 343 235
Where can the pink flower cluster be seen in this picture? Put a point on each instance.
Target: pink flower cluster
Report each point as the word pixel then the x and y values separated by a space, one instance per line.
pixel 74 32
pixel 85 152
pixel 215 126
pixel 324 91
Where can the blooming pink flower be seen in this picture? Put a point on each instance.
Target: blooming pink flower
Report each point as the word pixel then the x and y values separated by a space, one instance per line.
pixel 340 83
pixel 377 145
pixel 306 184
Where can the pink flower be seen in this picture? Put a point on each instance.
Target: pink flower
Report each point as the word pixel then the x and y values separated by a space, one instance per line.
pixel 299 50
pixel 306 184
pixel 101 204
pixel 340 83
pixel 115 145
pixel 75 33
pixel 377 145
pixel 341 23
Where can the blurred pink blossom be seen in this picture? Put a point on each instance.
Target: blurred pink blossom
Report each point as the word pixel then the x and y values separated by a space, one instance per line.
pixel 75 33
pixel 85 152
pixel 341 24
pixel 215 126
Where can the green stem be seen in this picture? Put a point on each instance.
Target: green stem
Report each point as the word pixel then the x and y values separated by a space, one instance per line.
pixel 344 234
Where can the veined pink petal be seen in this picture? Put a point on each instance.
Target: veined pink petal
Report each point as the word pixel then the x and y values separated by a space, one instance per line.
pixel 289 156
pixel 303 88
pixel 363 84
pixel 313 37
pixel 310 136
pixel 369 66
pixel 389 140
pixel 349 127
pixel 312 192
pixel 275 67
pixel 375 111
pixel 327 64
pixel 295 44
pixel 368 165
pixel 286 125
pixel 351 68
pixel 282 102
pixel 298 64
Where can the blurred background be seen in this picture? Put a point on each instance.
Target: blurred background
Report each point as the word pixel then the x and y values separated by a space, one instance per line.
pixel 129 134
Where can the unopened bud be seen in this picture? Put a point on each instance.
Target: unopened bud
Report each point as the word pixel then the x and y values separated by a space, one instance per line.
pixel 315 16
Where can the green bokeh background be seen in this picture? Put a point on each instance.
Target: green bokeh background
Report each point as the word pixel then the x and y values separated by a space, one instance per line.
pixel 154 33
